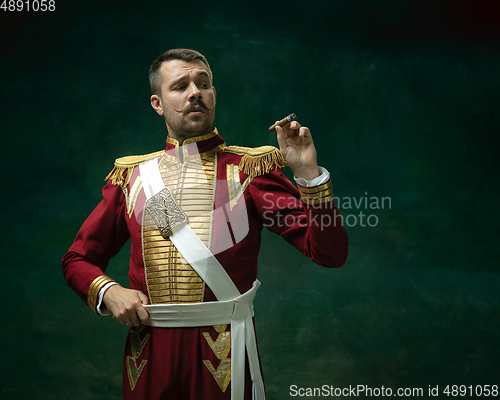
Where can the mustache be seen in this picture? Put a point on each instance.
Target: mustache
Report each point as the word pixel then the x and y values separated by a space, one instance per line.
pixel 193 105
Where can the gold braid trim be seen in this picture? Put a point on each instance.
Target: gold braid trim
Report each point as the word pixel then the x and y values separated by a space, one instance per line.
pixel 94 289
pixel 318 194
pixel 117 174
pixel 259 160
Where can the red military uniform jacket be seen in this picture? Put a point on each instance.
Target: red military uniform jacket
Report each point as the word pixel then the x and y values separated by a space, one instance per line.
pixel 230 194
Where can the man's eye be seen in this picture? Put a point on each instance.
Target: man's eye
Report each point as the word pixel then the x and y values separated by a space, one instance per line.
pixel 181 87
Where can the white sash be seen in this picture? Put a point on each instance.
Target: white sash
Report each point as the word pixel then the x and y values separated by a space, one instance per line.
pixel 232 306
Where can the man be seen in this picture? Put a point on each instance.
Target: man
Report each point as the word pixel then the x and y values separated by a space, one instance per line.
pixel 194 213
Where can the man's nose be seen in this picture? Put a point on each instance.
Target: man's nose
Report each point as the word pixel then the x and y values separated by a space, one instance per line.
pixel 194 92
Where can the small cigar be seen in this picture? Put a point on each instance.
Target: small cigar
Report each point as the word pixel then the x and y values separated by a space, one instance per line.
pixel 283 122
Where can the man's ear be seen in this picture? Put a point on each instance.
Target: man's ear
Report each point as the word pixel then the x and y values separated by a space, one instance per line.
pixel 215 93
pixel 156 104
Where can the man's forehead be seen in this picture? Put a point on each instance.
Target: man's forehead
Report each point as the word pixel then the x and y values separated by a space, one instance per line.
pixel 173 69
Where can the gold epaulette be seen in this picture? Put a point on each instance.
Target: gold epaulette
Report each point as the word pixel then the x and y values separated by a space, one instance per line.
pixel 258 160
pixel 128 164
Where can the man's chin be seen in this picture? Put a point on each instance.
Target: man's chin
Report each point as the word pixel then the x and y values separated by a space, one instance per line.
pixel 197 128
pixel 188 129
pixel 194 131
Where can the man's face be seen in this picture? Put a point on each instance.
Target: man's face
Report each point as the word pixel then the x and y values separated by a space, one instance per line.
pixel 187 100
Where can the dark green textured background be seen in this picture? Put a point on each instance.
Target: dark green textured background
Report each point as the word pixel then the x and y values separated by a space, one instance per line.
pixel 402 100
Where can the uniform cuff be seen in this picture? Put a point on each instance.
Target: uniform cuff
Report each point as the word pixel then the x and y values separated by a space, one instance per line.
pixel 101 308
pixel 94 289
pixel 323 178
pixel 318 194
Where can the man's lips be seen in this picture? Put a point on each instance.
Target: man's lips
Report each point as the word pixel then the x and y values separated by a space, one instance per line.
pixel 197 109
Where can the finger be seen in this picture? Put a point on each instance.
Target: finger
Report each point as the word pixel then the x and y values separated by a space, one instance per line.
pixel 305 132
pixel 134 320
pixel 144 299
pixel 139 314
pixel 290 126
pixel 294 126
pixel 143 315
pixel 123 320
pixel 292 129
pixel 280 135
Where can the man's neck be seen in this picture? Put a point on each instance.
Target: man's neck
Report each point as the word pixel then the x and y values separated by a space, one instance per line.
pixel 182 137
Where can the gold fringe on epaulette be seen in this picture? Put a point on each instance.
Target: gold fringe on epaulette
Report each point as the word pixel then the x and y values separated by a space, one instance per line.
pixel 117 176
pixel 256 165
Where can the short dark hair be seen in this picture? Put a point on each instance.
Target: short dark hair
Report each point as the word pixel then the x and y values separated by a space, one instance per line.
pixel 187 55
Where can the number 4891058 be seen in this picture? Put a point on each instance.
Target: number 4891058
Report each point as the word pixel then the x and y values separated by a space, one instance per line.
pixel 28 5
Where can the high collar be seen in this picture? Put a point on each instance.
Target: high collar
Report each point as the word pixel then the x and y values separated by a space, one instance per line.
pixel 211 142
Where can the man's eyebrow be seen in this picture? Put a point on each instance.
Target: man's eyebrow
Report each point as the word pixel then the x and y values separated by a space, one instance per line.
pixel 181 78
pixel 205 73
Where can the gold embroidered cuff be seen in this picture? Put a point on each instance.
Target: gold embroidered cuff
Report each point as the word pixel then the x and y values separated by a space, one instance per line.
pixel 94 289
pixel 318 194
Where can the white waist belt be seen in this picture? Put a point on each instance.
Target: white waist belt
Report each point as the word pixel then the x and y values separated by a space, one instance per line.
pixel 198 314
pixel 232 308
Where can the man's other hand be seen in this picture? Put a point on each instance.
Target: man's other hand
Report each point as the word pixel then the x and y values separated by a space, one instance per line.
pixel 126 305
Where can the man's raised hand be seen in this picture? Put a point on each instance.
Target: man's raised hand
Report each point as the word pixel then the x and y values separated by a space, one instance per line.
pixel 296 145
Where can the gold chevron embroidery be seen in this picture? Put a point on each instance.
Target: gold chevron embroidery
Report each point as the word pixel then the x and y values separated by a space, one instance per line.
pixel 136 346
pixel 235 188
pixel 220 328
pixel 133 371
pixel 131 198
pixel 222 344
pixel 222 374
pixel 221 347
pixel 233 184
